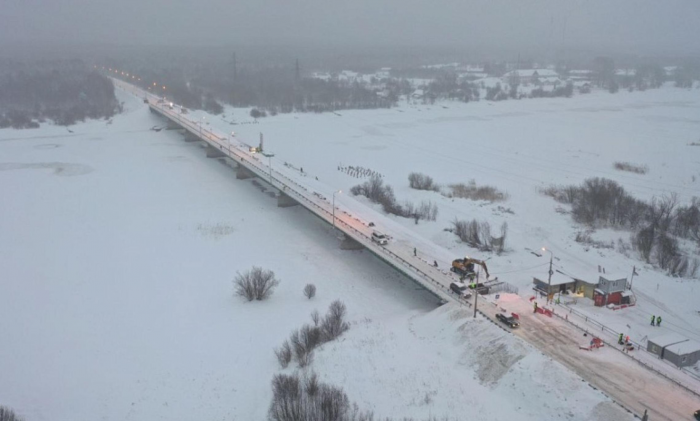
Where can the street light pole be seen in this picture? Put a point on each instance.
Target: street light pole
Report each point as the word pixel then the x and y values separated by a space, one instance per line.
pixel 549 279
pixel 270 161
pixel 339 191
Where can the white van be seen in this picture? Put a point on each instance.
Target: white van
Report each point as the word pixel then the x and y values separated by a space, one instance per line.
pixel 380 238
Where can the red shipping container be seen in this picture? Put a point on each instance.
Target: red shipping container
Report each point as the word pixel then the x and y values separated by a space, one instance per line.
pixel 615 298
pixel 599 300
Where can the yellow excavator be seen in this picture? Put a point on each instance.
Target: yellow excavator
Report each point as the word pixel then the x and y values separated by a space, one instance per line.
pixel 465 267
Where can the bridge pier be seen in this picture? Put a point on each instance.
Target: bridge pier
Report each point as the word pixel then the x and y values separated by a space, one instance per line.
pixel 173 125
pixel 350 244
pixel 284 201
pixel 213 152
pixel 242 173
pixel 189 137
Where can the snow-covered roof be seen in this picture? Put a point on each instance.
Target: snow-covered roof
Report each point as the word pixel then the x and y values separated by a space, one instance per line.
pixel 556 280
pixel 531 73
pixel 580 72
pixel 687 347
pixel 667 339
pixel 489 82
pixel 597 291
pixel 627 293
pixel 625 72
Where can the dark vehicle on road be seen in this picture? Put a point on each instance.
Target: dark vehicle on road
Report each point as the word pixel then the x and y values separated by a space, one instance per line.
pixel 697 415
pixel 510 321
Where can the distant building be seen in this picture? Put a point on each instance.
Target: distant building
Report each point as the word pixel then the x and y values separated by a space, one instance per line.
pixel 675 348
pixel 581 75
pixel 670 71
pixel 533 76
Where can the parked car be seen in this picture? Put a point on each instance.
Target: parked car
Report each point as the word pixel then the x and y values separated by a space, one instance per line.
pixel 509 320
pixel 460 289
pixel 697 415
pixel 379 238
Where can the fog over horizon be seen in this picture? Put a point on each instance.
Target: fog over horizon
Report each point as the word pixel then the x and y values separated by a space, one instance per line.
pixel 668 27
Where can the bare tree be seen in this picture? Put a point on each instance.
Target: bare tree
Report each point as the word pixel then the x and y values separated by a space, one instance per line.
pixel 287 400
pixel 302 352
pixel 666 251
pixel 644 242
pixel 315 317
pixel 284 354
pixel 311 384
pixel 334 323
pixel 310 291
pixel 7 414
pixel 420 181
pixel 256 284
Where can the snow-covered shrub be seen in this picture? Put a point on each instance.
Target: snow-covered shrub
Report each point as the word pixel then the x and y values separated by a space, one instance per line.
pixel 473 192
pixel 629 167
pixel 562 194
pixel 310 291
pixel 315 317
pixel 291 401
pixel 334 324
pixel 304 341
pixel 284 354
pixel 421 181
pixel 256 284
pixel 375 190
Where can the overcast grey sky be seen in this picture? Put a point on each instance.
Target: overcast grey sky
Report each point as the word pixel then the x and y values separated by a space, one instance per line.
pixel 654 26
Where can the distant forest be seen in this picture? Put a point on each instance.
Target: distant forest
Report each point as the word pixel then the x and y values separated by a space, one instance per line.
pixel 268 89
pixel 64 92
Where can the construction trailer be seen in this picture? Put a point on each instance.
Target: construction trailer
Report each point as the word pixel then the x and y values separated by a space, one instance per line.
pixel 675 348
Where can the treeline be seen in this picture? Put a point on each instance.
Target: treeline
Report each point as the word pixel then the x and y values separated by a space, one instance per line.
pixel 658 226
pixel 447 86
pixel 270 90
pixel 64 92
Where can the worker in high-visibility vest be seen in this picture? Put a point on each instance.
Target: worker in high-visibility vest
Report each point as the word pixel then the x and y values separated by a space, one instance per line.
pixel 535 307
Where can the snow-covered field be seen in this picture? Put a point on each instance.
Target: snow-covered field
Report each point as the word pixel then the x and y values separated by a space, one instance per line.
pixel 518 146
pixel 119 244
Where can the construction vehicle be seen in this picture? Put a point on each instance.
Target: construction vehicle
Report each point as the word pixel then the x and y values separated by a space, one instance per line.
pixel 465 267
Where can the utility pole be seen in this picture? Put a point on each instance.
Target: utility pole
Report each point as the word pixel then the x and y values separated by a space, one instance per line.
pixel 634 272
pixel 476 298
pixel 334 193
pixel 235 71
